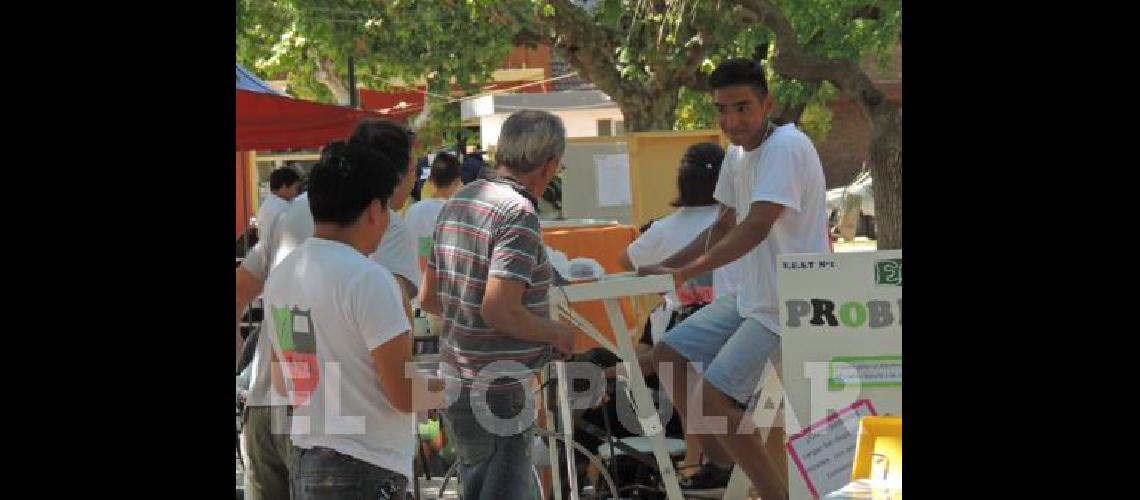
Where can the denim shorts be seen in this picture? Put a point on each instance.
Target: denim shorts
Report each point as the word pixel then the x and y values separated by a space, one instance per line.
pixel 732 350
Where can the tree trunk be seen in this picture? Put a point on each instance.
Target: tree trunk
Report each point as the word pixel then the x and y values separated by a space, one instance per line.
pixel 651 110
pixel 326 74
pixel 886 171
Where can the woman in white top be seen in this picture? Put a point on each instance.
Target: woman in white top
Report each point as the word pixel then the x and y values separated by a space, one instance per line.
pixel 696 210
pixel 420 217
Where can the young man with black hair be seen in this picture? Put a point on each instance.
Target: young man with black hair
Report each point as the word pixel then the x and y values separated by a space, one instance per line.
pixel 420 217
pixel 284 185
pixel 337 321
pixel 265 432
pixel 771 188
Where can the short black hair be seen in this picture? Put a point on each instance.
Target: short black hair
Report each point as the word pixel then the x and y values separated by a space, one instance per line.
pixel 347 179
pixel 386 136
pixel 740 72
pixel 444 169
pixel 696 179
pixel 283 177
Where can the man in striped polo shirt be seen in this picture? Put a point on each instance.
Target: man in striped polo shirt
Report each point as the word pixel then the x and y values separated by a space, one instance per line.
pixel 488 277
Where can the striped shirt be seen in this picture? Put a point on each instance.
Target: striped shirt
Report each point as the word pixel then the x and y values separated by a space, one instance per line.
pixel 488 228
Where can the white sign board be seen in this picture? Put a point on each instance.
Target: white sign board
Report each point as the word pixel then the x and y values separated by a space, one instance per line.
pixel 613 180
pixel 841 339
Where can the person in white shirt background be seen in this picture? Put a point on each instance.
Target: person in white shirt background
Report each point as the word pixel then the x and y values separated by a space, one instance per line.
pixel 420 217
pixel 337 321
pixel 265 438
pixel 696 211
pixel 284 185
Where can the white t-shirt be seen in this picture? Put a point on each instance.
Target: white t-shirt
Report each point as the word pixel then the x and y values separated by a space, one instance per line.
pixel 420 218
pixel 327 308
pixel 785 169
pixel 397 251
pixel 268 212
pixel 292 228
pixel 670 234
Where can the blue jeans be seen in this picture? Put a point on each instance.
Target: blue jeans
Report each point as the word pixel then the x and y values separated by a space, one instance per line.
pixel 324 474
pixel 731 349
pixel 494 458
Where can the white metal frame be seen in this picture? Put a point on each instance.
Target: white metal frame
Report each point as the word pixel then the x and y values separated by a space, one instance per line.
pixel 610 290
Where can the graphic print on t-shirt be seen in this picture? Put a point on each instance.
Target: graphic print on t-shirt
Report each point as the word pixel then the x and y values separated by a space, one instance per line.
pixel 424 249
pixel 299 346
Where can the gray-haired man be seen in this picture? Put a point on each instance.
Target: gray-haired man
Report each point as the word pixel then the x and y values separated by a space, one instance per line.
pixel 488 277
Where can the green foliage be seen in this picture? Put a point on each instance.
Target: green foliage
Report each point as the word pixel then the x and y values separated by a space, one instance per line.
pixel 825 28
pixel 816 118
pixel 407 39
pixel 441 129
pixel 695 110
pixel 462 41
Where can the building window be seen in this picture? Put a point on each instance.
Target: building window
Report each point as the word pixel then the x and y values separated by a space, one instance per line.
pixel 608 127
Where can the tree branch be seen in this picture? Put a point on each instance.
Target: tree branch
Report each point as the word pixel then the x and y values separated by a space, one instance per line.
pixel 872 12
pixel 326 74
pixel 795 62
pixel 687 73
pixel 588 48
pixel 792 113
pixel 527 37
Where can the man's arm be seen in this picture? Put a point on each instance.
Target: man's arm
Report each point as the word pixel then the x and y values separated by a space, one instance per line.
pixel 503 310
pixel 714 233
pixel 408 290
pixel 406 389
pixel 248 288
pixel 429 299
pixel 739 240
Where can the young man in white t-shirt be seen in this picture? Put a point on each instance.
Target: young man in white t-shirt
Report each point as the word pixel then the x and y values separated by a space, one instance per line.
pixel 772 190
pixel 342 340
pixel 420 217
pixel 284 185
pixel 265 439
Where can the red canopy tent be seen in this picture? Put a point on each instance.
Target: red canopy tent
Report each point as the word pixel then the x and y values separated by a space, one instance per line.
pixel 270 121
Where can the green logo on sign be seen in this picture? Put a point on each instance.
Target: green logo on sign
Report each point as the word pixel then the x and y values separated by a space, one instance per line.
pixel 888 272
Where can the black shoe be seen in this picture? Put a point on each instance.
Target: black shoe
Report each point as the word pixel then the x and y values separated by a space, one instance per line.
pixel 710 479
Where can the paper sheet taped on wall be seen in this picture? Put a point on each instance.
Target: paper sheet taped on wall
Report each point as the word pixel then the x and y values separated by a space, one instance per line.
pixel 613 180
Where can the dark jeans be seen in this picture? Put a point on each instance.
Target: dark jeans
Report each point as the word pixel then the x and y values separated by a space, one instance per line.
pixel 324 474
pixel 494 458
